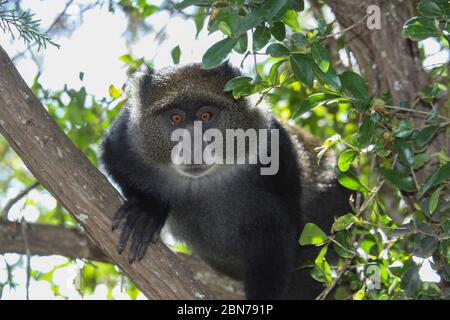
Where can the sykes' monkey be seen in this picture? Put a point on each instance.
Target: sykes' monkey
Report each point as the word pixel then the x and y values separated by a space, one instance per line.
pixel 241 222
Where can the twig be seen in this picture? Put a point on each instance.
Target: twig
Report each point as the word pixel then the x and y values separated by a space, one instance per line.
pixel 340 273
pixel 348 28
pixel 17 198
pixel 25 25
pixel 49 29
pixel 414 110
pixel 23 226
pixel 344 248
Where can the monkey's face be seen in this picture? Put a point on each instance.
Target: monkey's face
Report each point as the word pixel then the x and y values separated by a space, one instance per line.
pixel 188 102
pixel 191 136
pixel 191 119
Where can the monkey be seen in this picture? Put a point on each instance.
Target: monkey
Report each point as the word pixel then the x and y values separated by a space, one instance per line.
pixel 241 222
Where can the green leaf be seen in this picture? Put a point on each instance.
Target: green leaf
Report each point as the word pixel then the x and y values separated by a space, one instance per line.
pixel 320 56
pixel 365 132
pixel 273 73
pixel 420 160
pixel 265 13
pixel 114 92
pixel 404 151
pixel 424 246
pixel 404 129
pixel 431 289
pixel 313 101
pixel 261 37
pixel 245 90
pixel 312 234
pixel 241 46
pixel 291 20
pixel 176 54
pixel 217 53
pixel 350 181
pixel 278 30
pixel 237 82
pixel 277 50
pixel 225 28
pixel 199 21
pixel 300 40
pixel 330 77
pixel 181 248
pixel 399 179
pixel 431 92
pixel 355 84
pixel 434 200
pixel 410 281
pixel 343 222
pixel 344 238
pixel 438 175
pixel 187 3
pixel 424 136
pixel 302 69
pixel 433 9
pixel 359 295
pixel 323 265
pixel 321 257
pixel 419 28
pixel 346 158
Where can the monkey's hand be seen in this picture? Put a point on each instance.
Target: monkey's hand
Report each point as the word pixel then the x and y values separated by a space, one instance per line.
pixel 143 221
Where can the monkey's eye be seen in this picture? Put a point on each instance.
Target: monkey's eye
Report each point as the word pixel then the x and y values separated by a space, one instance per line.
pixel 176 118
pixel 206 116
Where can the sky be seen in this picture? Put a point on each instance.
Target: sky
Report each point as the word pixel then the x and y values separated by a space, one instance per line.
pixel 94 49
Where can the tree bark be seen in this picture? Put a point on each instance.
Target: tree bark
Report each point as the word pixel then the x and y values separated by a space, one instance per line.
pixel 46 240
pixel 389 61
pixel 85 192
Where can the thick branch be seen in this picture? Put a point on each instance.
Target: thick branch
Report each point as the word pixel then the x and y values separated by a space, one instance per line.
pixel 86 193
pixel 388 60
pixel 45 240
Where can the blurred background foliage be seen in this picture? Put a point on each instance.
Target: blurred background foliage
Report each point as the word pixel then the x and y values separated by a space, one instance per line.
pixel 400 226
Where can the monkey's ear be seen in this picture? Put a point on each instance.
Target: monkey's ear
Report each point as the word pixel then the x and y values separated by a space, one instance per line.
pixel 142 83
pixel 145 76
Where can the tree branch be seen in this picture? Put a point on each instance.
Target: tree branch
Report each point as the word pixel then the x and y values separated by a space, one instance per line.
pixel 17 198
pixel 46 240
pixel 86 193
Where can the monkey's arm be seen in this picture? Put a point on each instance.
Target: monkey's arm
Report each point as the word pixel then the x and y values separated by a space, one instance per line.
pixel 142 215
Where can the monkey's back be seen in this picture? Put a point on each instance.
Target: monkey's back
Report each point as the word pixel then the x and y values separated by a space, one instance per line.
pixel 322 196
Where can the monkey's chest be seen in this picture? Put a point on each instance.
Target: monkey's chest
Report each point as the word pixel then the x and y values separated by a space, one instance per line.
pixel 211 231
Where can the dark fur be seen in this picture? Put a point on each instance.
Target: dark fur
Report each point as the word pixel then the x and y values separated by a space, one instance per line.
pixel 242 223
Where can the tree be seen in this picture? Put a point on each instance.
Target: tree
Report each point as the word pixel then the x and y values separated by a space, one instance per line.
pixel 358 82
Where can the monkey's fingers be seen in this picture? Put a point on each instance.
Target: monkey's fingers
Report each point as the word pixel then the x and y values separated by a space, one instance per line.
pixel 127 229
pixel 119 215
pixel 157 233
pixel 138 236
pixel 144 245
pixel 152 230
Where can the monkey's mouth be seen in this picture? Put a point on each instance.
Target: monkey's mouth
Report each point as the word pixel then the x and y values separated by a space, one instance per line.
pixel 194 170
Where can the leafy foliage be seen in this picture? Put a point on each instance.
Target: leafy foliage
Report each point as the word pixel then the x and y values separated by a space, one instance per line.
pixel 398 220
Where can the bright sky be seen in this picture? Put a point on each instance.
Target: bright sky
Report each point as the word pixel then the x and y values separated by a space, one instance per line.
pixel 94 48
